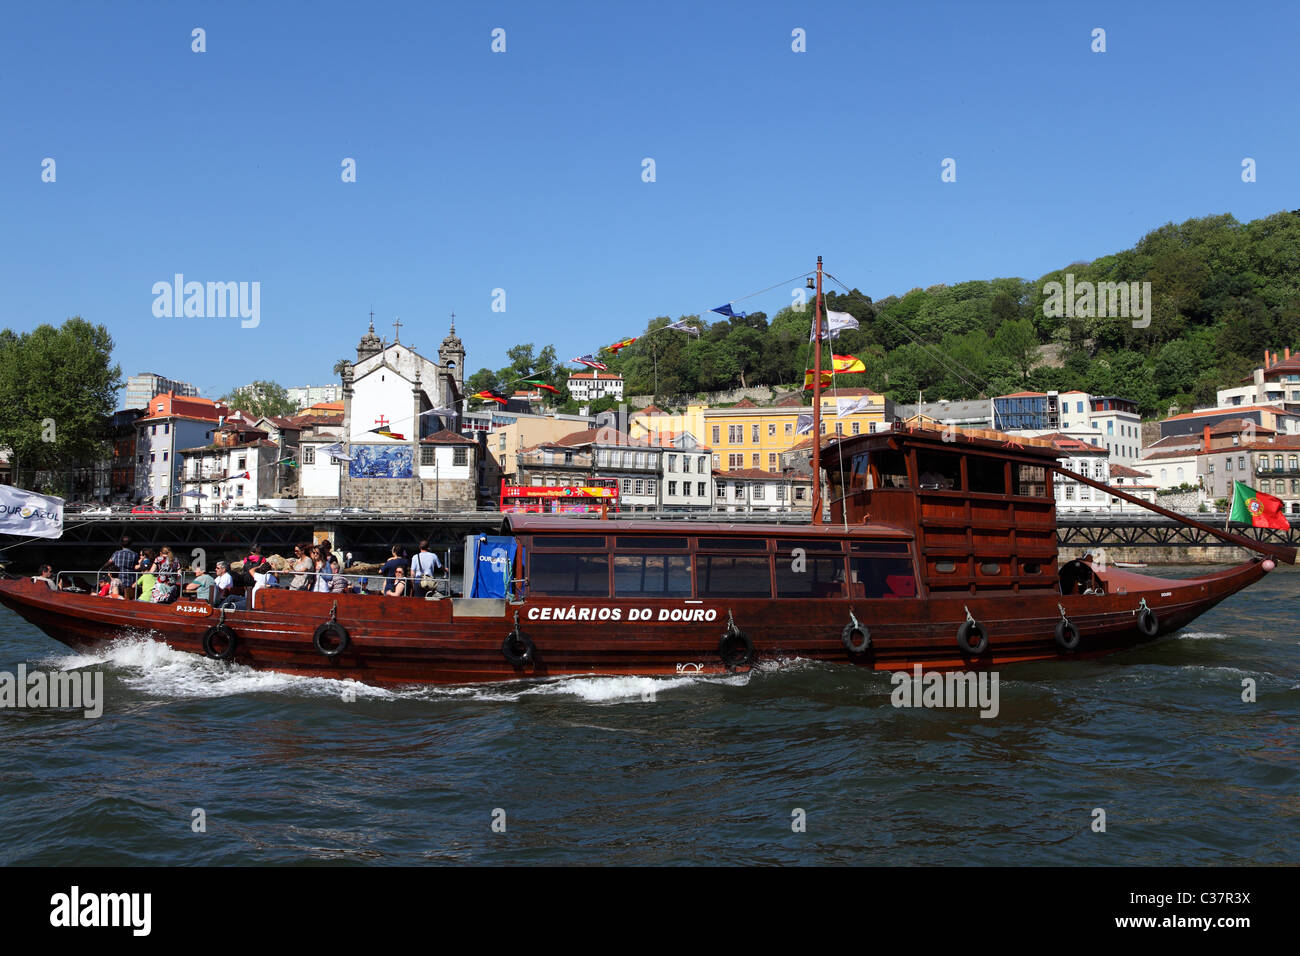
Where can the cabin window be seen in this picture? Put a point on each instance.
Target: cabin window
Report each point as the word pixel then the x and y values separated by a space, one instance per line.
pixel 728 575
pixel 990 567
pixel 1031 480
pixel 858 472
pixel 809 577
pixel 881 577
pixel 809 545
pixel 986 475
pixel 586 575
pixel 891 467
pixel 878 547
pixel 732 544
pixel 570 542
pixel 1032 567
pixel 945 567
pixel 651 544
pixel 667 575
pixel 938 471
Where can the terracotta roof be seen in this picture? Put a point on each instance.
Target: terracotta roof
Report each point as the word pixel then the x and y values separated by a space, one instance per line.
pixel 325 407
pixel 594 374
pixel 604 436
pixel 1285 365
pixel 649 410
pixel 446 437
pixel 789 401
pixel 1229 411
pixel 1181 441
pixel 1284 442
pixel 666 441
pixel 1123 471
pixel 260 443
pixel 1239 425
pixel 1067 443
pixel 744 403
pixel 1185 453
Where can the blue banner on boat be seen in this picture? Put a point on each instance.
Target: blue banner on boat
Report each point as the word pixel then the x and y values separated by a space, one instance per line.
pixel 494 562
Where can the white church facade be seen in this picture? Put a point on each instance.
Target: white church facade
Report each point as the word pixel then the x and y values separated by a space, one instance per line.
pixel 400 435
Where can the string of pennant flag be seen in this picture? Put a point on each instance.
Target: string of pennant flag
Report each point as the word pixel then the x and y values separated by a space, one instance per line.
pixel 832 325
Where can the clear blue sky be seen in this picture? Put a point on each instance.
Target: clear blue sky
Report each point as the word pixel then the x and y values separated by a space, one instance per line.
pixel 522 170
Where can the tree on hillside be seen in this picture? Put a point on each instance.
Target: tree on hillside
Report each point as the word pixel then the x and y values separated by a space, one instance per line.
pixel 1016 342
pixel 261 398
pixel 57 393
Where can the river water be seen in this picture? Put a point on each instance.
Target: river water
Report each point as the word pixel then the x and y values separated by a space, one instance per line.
pixel 196 762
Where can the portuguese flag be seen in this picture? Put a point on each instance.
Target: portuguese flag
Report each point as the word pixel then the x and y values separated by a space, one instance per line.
pixel 1256 508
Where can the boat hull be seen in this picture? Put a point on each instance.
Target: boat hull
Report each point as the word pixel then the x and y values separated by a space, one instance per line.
pixel 407 641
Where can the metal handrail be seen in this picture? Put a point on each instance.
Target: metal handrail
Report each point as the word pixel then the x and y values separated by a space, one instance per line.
pixel 63 580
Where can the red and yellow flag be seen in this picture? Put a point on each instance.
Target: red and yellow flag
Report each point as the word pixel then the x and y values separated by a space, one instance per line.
pixel 848 363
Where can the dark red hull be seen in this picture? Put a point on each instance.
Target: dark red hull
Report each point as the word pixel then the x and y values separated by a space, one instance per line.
pixel 405 641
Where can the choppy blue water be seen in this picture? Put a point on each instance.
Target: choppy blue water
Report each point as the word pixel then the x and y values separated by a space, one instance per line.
pixel 682 770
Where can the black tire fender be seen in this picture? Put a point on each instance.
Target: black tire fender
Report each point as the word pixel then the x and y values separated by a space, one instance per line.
pixel 335 631
pixel 972 639
pixel 1067 635
pixel 1148 623
pixel 219 632
pixel 731 637
pixel 859 644
pixel 518 648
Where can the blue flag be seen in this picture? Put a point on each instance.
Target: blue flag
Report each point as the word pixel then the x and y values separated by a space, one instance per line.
pixel 726 310
pixel 494 565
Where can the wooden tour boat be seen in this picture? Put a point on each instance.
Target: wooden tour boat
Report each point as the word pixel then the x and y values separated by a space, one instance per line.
pixel 941 551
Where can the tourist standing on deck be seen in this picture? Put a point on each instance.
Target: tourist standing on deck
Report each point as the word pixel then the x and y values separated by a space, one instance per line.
pixel 398 560
pixel 124 560
pixel 423 565
pixel 302 566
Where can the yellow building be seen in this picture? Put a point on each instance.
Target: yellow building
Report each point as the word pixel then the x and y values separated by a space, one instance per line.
pixel 748 436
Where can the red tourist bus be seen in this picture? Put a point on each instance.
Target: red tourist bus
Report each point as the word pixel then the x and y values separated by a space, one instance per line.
pixel 601 495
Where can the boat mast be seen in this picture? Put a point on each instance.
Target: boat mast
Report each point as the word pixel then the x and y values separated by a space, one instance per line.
pixel 817 402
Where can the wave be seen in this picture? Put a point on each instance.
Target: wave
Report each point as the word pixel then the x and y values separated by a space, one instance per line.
pixel 154 669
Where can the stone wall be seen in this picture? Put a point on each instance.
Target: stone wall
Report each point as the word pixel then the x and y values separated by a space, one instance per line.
pixel 1186 502
pixel 449 495
pixel 409 494
pixel 758 394
pixel 1153 554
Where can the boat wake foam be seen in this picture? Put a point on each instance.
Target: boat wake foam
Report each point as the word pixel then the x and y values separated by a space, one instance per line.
pixel 151 667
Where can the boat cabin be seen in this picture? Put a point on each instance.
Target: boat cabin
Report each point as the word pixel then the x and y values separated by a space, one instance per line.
pixel 577 558
pixel 981 510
